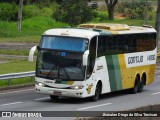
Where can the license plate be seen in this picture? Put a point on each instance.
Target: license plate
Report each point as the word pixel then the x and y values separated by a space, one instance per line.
pixel 57 93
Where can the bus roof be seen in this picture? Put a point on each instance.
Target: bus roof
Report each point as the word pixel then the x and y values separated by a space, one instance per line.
pixel 90 30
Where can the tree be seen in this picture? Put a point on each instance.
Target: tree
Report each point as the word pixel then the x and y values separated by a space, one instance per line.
pixel 74 12
pixel 20 15
pixel 110 7
pixel 157 25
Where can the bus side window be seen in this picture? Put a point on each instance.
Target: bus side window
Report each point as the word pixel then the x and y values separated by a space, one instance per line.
pixel 101 46
pixel 92 56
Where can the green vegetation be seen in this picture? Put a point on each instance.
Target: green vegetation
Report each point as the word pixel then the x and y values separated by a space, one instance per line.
pixel 135 10
pixel 20 81
pixel 15 52
pixel 23 39
pixel 34 26
pixel 17 66
pixel 14 67
pixel 101 17
pixel 30 11
pixel 74 12
pixel 8 11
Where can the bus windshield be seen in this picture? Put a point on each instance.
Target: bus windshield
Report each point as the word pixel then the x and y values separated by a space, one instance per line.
pixel 64 43
pixel 61 58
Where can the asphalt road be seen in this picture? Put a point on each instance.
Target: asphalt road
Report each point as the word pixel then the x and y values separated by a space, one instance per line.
pixel 27 100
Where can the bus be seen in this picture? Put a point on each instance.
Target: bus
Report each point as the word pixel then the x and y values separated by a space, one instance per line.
pixel 95 59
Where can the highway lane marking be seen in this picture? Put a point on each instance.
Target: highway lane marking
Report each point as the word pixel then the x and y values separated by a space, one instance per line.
pixel 10 104
pixel 16 91
pixel 158 76
pixel 157 72
pixel 94 106
pixel 42 98
pixel 155 93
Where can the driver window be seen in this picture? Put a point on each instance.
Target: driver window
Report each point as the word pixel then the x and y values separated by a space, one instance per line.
pixel 92 56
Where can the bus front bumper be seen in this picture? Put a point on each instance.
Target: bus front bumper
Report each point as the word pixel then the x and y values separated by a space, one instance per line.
pixel 59 92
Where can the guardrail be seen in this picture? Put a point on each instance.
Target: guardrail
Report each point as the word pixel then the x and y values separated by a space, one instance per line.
pixel 11 76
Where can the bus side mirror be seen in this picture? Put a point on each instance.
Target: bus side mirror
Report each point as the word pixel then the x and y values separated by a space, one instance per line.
pixel 31 53
pixel 85 58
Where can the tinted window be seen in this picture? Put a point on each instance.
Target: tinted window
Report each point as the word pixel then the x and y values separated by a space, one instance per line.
pixel 64 43
pixel 119 44
pixel 92 56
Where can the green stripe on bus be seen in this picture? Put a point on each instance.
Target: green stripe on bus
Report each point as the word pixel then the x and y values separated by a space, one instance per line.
pixel 111 72
pixel 114 72
pixel 117 72
pixel 105 33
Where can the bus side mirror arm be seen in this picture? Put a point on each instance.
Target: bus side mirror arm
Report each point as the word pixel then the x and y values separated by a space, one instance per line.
pixel 31 53
pixel 85 58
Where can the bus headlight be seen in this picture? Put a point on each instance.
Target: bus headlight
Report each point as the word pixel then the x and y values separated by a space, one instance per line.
pixel 77 87
pixel 40 84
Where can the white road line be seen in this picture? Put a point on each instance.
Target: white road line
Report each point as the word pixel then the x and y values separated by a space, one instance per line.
pixel 16 91
pixel 157 72
pixel 94 106
pixel 158 76
pixel 42 98
pixel 155 93
pixel 10 104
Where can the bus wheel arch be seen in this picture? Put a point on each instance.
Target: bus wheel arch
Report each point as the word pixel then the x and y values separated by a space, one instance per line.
pixel 98 91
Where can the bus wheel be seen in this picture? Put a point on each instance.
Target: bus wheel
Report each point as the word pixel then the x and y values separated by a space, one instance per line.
pixel 134 90
pixel 54 97
pixel 97 93
pixel 140 89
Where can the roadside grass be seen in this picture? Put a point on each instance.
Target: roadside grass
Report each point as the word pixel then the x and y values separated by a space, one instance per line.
pixel 14 67
pixel 20 81
pixel 15 52
pixel 34 26
pixel 17 66
pixel 23 39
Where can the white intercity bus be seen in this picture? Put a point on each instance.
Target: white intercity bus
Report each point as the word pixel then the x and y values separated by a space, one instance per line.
pixel 95 59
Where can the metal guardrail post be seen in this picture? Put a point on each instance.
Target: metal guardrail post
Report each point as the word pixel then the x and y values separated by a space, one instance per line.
pixel 32 78
pixel 9 82
pixel 9 77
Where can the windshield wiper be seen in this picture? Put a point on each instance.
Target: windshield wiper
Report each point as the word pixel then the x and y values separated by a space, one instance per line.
pixel 60 66
pixel 64 69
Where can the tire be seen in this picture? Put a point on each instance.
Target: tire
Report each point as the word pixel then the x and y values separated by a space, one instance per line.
pixel 140 89
pixel 54 97
pixel 97 93
pixel 134 90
